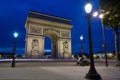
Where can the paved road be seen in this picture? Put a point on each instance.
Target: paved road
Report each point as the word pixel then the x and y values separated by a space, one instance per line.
pixel 43 62
pixel 55 70
pixel 37 62
pixel 56 73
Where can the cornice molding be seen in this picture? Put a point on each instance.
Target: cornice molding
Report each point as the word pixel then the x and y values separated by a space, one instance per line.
pixel 47 23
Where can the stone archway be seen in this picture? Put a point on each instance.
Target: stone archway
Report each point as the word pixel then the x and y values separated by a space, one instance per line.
pixel 57 29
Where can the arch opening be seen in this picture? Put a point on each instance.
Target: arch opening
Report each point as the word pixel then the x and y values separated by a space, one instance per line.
pixel 47 47
pixel 54 39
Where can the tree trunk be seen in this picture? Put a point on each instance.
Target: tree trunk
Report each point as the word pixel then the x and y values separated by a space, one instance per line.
pixel 117 47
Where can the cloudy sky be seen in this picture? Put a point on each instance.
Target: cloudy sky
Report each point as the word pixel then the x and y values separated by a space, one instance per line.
pixel 13 14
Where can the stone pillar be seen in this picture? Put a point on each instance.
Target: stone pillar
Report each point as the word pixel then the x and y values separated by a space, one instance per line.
pixel 54 50
pixel 64 48
pixel 35 47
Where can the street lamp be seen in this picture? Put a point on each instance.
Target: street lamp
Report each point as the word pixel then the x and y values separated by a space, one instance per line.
pixel 92 74
pixel 95 14
pixel 14 49
pixel 81 38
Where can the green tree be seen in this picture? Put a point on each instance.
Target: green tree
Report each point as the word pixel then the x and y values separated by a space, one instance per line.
pixel 111 11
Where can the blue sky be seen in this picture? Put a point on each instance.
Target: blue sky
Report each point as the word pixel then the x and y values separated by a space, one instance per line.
pixel 13 14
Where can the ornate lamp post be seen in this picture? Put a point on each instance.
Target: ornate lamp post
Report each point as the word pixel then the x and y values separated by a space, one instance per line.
pixel 92 74
pixel 14 49
pixel 81 39
pixel 95 14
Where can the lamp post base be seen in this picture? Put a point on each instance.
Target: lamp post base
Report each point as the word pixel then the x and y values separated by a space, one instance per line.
pixel 13 64
pixel 93 76
pixel 13 61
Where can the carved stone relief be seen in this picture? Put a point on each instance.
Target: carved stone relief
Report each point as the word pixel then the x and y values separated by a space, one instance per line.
pixel 51 29
pixel 65 47
pixel 35 30
pixel 35 45
pixel 65 34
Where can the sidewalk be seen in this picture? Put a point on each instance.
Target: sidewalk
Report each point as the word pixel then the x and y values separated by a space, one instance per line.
pixel 56 73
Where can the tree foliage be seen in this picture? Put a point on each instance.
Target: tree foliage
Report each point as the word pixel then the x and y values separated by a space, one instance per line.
pixel 111 10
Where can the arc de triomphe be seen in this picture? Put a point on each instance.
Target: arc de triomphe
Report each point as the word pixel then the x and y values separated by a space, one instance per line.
pixel 38 26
